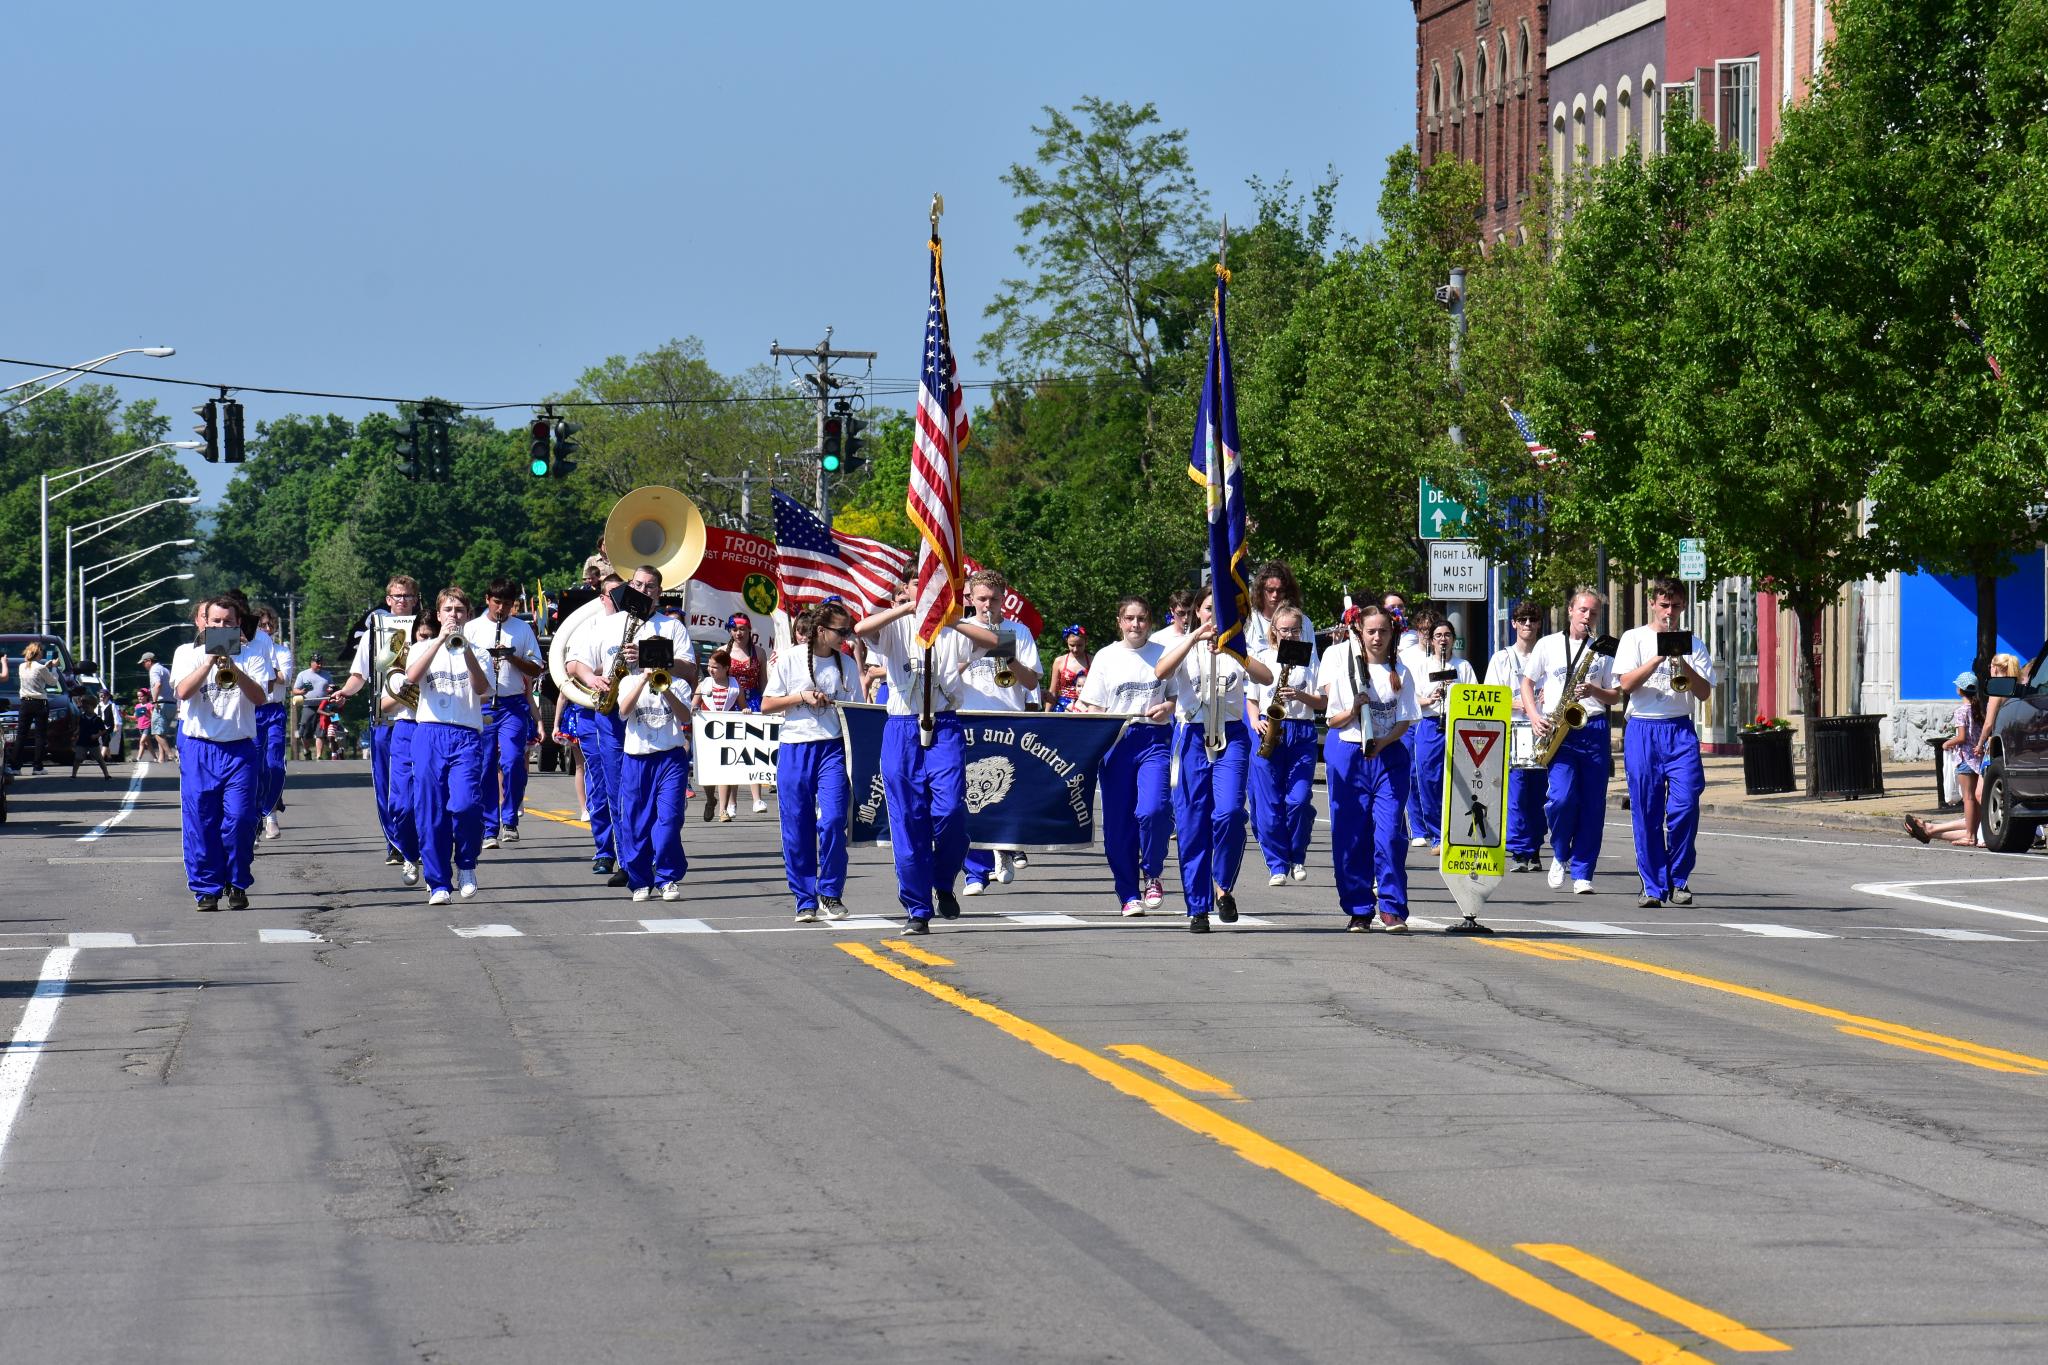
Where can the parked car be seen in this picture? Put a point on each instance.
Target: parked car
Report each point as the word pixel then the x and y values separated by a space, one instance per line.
pixel 2015 794
pixel 63 717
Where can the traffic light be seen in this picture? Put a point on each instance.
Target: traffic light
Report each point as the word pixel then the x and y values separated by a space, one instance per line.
pixel 564 447
pixel 850 443
pixel 437 452
pixel 409 449
pixel 234 451
pixel 208 429
pixel 829 447
pixel 539 455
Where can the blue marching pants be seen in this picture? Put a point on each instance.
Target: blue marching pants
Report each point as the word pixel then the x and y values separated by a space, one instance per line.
pixel 1426 779
pixel 270 748
pixel 1576 803
pixel 1665 778
pixel 508 729
pixel 812 796
pixel 1208 813
pixel 1135 817
pixel 604 740
pixel 403 797
pixel 979 865
pixel 380 780
pixel 445 760
pixel 1527 788
pixel 1368 837
pixel 927 793
pixel 217 796
pixel 1412 803
pixel 650 828
pixel 1283 812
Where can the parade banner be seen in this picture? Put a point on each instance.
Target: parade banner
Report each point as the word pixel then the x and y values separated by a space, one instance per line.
pixel 1030 776
pixel 1016 606
pixel 733 748
pixel 737 575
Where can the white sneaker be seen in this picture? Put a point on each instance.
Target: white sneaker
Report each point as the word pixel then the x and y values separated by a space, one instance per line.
pixel 759 805
pixel 1299 872
pixel 465 882
pixel 411 873
pixel 490 841
pixel 439 897
pixel 1277 879
pixel 270 826
pixel 508 836
pixel 1005 874
pixel 1557 870
pixel 1582 886
pixel 972 889
pixel 1418 842
pixel 641 893
pixel 672 891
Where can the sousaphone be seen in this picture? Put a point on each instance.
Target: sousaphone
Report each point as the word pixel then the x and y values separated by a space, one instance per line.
pixel 652 525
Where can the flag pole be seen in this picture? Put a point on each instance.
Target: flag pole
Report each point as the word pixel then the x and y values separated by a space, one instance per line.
pixel 927 726
pixel 1213 737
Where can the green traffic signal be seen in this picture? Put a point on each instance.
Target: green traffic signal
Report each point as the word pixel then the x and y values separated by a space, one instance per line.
pixel 831 464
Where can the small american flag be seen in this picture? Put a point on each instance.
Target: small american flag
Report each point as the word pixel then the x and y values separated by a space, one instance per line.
pixel 1973 334
pixel 814 562
pixel 934 496
pixel 1539 452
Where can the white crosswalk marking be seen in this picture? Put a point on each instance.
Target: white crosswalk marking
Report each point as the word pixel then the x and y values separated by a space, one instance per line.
pixel 288 936
pixel 676 926
pixel 867 922
pixel 1777 931
pixel 485 931
pixel 1588 926
pixel 1028 917
pixel 102 940
pixel 1960 935
pixel 1247 922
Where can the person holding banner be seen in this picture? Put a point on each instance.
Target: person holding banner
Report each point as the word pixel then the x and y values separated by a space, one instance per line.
pixel 806 685
pixel 1283 770
pixel 654 762
pixel 1371 704
pixel 1525 784
pixel 1209 814
pixel 1136 773
pixel 986 691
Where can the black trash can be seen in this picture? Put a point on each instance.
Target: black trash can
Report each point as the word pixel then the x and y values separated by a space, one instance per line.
pixel 1847 757
pixel 1767 762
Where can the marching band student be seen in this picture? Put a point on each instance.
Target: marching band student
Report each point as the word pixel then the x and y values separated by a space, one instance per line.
pixel 372 661
pixel 986 590
pixel 1371 701
pixel 403 719
pixel 806 685
pixel 926 787
pixel 1273 587
pixel 448 749
pixel 1414 659
pixel 1660 750
pixel 601 741
pixel 1575 801
pixel 1180 617
pixel 654 770
pixel 270 716
pixel 219 769
pixel 514 658
pixel 1283 785
pixel 717 691
pixel 1208 795
pixel 1525 785
pixel 1137 771
pixel 1428 780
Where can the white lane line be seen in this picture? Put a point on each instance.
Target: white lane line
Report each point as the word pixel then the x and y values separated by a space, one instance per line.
pixel 485 931
pixel 869 922
pixel 102 858
pixel 102 940
pixel 1902 891
pixel 1034 918
pixel 127 805
pixel 1588 926
pixel 1900 845
pixel 1246 922
pixel 18 1063
pixel 678 926
pixel 1960 935
pixel 1777 931
pixel 288 936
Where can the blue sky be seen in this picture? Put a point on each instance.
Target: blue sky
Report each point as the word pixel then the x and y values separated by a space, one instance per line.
pixel 479 201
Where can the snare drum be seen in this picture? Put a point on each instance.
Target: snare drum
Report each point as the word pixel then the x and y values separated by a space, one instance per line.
pixel 1522 747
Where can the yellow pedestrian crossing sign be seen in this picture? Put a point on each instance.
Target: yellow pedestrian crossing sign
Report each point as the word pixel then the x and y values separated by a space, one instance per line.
pixel 1475 800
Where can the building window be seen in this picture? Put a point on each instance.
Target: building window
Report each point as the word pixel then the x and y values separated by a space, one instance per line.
pixel 1522 51
pixel 1557 147
pixel 1735 106
pixel 1652 129
pixel 1677 106
pixel 1479 87
pixel 1579 131
pixel 1599 141
pixel 1624 131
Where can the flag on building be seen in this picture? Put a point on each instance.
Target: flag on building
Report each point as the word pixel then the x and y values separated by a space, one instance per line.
pixel 814 562
pixel 1214 463
pixel 934 494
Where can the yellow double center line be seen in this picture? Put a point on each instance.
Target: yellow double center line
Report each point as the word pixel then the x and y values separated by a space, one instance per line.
pixel 1262 1151
pixel 1856 1025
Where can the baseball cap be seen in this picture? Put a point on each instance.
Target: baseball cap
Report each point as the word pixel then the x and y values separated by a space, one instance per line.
pixel 1965 680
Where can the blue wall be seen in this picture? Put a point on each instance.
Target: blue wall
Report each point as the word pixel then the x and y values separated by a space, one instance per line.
pixel 1938 626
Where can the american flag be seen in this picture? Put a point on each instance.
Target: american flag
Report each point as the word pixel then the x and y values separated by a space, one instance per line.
pixel 814 562
pixel 1539 452
pixel 934 499
pixel 1973 334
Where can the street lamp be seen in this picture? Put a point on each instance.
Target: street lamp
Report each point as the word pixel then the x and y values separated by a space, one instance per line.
pixel 98 571
pixel 72 372
pixel 103 468
pixel 109 599
pixel 114 625
pixel 112 661
pixel 72 541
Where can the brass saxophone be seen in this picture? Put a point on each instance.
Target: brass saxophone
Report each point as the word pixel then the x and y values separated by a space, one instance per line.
pixel 1276 720
pixel 1569 713
pixel 608 704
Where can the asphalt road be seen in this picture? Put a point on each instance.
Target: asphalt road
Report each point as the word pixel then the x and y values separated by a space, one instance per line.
pixel 1805 1113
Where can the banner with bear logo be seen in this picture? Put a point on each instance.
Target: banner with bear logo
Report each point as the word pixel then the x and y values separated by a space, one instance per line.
pixel 1030 776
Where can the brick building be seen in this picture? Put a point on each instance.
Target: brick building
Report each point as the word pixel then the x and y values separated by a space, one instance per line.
pixel 1480 96
pixel 1606 65
pixel 1737 62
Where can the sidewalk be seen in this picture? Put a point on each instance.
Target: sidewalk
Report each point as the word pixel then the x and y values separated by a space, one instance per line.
pixel 1908 788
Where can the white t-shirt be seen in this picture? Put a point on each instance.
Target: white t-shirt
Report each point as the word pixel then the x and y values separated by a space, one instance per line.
pixel 1424 685
pixel 485 634
pixel 1191 683
pixel 1258 635
pixel 980 677
pixel 216 712
pixel 835 675
pixel 1504 669
pixel 896 647
pixel 651 726
pixel 366 645
pixel 448 695
pixel 1167 635
pixel 397 710
pixel 599 644
pixel 1548 667
pixel 1121 680
pixel 283 668
pixel 1302 679
pixel 1655 700
pixel 1386 705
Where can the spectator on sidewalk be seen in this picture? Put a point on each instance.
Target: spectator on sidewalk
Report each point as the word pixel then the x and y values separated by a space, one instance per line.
pixel 32 729
pixel 163 713
pixel 309 689
pixel 1966 747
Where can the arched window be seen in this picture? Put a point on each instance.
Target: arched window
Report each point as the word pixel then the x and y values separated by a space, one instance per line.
pixel 1504 69
pixel 1559 154
pixel 1624 131
pixel 1457 104
pixel 1522 51
pixel 1578 133
pixel 1653 129
pixel 1597 143
pixel 1435 125
pixel 1479 88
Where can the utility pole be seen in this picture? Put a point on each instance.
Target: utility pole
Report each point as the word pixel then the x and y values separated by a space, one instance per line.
pixel 1453 298
pixel 823 382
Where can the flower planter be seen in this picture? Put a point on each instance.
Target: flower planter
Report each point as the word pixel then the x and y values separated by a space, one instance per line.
pixel 1767 762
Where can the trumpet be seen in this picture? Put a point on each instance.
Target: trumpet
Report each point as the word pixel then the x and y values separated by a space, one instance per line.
pixel 1005 675
pixel 224 671
pixel 1680 683
pixel 659 681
